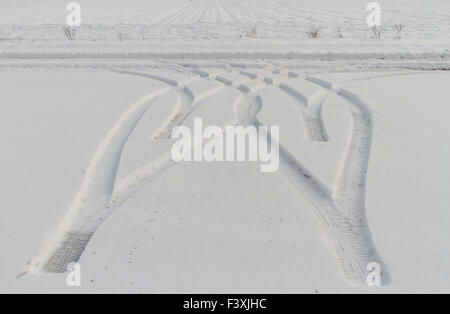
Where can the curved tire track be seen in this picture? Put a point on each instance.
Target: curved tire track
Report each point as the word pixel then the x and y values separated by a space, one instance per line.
pixel 90 207
pixel 342 210
pixel 100 194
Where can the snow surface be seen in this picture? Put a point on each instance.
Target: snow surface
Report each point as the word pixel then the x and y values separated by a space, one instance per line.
pixel 84 128
pixel 223 227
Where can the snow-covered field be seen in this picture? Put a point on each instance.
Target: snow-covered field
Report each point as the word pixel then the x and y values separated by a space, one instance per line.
pixel 365 143
pixel 42 20
pixel 167 27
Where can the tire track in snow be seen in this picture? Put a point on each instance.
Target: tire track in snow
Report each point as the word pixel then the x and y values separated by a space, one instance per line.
pixel 310 111
pixel 100 194
pixel 132 182
pixel 90 207
pixel 349 190
pixel 309 108
pixel 339 229
pixel 342 210
pixel 181 109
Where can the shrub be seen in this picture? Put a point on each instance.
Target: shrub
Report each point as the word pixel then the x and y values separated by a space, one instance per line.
pixel 339 32
pixel 121 36
pixel 377 31
pixel 314 33
pixel 144 30
pixel 250 33
pixel 398 29
pixel 70 32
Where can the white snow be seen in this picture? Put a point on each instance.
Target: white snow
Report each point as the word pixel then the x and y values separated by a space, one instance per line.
pixel 85 130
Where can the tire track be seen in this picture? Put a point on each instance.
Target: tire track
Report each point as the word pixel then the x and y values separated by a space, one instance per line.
pixel 342 210
pixel 90 207
pixel 100 193
pixel 310 109
pixel 349 189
